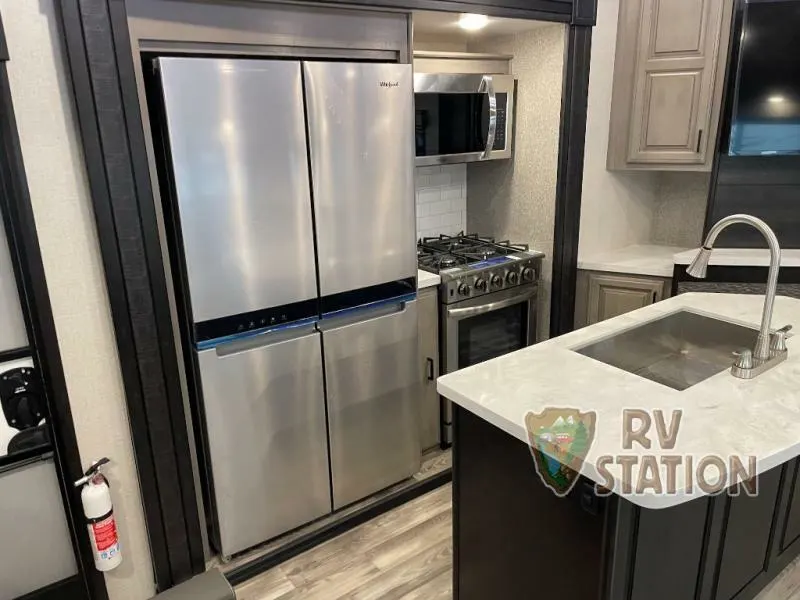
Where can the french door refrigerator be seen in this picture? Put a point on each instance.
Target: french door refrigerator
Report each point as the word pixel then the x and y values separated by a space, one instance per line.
pixel 290 206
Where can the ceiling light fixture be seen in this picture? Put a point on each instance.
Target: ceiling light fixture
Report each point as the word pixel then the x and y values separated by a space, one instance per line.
pixel 775 99
pixel 473 22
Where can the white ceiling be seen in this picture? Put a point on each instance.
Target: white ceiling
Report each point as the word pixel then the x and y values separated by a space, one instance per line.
pixel 428 24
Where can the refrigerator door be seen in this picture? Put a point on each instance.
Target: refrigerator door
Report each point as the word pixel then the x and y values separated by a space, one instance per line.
pixel 372 375
pixel 267 441
pixel 361 138
pixel 238 145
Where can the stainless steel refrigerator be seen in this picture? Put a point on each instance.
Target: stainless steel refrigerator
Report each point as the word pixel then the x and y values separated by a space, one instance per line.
pixel 289 197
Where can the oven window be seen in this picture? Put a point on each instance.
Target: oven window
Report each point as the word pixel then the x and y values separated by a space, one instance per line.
pixel 455 123
pixel 492 334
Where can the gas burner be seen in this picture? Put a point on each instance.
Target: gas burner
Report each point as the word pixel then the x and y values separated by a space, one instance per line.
pixel 461 250
pixel 448 261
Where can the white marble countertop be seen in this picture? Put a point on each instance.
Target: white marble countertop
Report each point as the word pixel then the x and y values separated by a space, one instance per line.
pixel 741 257
pixel 722 415
pixel 426 279
pixel 644 259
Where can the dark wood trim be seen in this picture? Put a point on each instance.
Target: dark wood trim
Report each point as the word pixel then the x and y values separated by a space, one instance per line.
pixel 70 588
pixel 101 66
pixel 15 354
pixel 541 10
pixel 306 542
pixel 18 220
pixel 569 183
pixel 9 462
pixel 3 44
pixel 584 12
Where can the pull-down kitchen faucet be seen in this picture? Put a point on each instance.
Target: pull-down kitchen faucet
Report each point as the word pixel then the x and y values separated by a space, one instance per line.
pixel 763 353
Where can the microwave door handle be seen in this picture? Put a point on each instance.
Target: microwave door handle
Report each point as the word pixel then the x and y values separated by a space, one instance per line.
pixel 487 85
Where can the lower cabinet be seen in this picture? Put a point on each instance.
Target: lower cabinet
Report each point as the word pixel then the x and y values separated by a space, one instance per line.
pixel 791 532
pixel 601 296
pixel 746 545
pixel 428 322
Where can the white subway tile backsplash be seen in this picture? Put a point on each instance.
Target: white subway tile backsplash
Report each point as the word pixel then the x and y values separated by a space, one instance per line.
pixel 428 195
pixel 439 208
pixel 441 200
pixel 428 170
pixel 453 192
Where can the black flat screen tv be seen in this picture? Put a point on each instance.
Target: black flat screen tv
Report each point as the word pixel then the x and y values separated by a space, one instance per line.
pixel 765 119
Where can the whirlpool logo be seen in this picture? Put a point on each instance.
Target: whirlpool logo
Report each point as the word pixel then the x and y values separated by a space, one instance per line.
pixel 389 84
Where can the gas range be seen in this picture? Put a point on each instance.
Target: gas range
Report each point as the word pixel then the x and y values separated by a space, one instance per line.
pixel 472 265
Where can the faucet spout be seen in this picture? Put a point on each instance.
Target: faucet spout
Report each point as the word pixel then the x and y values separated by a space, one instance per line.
pixel 699 265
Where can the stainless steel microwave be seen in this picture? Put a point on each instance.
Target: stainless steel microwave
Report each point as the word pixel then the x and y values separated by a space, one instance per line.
pixel 462 117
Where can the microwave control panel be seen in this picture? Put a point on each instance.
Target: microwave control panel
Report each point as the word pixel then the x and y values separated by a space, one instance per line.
pixel 500 133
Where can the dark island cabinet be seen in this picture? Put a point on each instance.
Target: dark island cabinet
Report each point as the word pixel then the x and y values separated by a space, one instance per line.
pixel 791 531
pixel 514 539
pixel 662 548
pixel 746 537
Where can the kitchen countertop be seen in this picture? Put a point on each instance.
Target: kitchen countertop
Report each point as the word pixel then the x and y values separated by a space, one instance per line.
pixel 426 279
pixel 741 257
pixel 644 259
pixel 722 415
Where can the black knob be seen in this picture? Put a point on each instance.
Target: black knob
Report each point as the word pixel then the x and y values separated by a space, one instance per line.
pixel 463 289
pixel 497 281
pixel 512 278
pixel 528 273
pixel 480 284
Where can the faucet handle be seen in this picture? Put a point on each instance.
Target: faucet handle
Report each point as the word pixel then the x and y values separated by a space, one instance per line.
pixel 778 343
pixel 744 359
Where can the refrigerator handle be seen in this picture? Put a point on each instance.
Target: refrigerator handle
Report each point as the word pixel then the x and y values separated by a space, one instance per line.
pixel 358 314
pixel 254 341
pixel 487 84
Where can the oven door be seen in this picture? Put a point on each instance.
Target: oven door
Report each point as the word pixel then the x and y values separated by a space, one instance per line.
pixel 462 118
pixel 483 328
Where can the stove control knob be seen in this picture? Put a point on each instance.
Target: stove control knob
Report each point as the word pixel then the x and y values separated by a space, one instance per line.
pixel 480 284
pixel 497 281
pixel 528 274
pixel 512 278
pixel 463 289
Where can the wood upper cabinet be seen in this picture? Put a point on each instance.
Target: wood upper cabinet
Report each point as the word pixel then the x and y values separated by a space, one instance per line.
pixel 601 296
pixel 668 79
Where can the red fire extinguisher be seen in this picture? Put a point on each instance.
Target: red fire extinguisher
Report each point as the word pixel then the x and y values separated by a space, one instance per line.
pixel 96 500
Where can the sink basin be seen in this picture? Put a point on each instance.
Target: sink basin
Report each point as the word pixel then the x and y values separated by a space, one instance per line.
pixel 678 350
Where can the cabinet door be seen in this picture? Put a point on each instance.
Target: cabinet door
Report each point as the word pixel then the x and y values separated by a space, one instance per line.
pixel 612 295
pixel 747 534
pixel 791 531
pixel 676 64
pixel 428 321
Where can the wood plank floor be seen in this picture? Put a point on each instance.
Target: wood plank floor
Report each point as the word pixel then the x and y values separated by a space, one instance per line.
pixel 434 462
pixel 405 554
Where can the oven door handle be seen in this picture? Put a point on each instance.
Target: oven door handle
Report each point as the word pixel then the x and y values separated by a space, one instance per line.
pixel 487 84
pixel 472 311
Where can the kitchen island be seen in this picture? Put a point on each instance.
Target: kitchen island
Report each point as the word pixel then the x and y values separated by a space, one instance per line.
pixel 515 538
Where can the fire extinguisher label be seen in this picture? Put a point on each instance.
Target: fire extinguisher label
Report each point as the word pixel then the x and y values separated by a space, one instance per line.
pixel 104 533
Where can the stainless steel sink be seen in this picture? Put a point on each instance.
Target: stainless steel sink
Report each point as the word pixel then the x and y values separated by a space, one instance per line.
pixel 678 350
